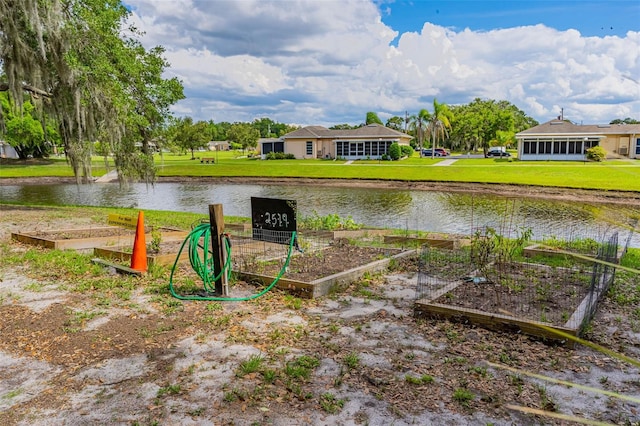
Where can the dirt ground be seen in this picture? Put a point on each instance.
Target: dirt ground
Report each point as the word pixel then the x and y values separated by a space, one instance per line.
pixel 93 347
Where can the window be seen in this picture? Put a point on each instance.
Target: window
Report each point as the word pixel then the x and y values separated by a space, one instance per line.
pixel 374 148
pixel 556 147
pixel 572 147
pixel 268 147
pixel 309 148
pixel 547 147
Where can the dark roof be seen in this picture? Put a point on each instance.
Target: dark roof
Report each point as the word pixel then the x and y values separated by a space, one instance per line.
pixel 370 130
pixel 559 127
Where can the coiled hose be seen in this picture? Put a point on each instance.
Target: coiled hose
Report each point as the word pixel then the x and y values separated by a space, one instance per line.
pixel 202 264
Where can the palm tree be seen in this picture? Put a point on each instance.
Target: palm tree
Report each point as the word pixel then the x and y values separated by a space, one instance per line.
pixel 419 125
pixel 438 124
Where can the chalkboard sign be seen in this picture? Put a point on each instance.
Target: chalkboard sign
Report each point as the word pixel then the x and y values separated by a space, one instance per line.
pixel 273 220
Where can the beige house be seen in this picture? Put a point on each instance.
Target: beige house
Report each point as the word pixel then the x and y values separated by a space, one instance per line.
pixel 370 141
pixel 563 140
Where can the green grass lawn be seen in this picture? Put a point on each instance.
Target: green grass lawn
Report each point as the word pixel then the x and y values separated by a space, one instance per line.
pixel 609 175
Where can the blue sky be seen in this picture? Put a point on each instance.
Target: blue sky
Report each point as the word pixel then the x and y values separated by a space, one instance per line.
pixel 326 62
pixel 591 18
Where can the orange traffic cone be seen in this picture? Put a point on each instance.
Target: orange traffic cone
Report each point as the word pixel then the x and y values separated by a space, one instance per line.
pixel 139 255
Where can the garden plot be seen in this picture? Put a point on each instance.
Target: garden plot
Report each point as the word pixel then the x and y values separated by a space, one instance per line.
pixel 86 238
pixel 312 272
pixel 514 296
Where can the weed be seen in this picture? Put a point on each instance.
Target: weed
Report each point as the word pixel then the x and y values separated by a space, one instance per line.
pixel 422 380
pixel 197 412
pixel 463 396
pixel 156 240
pixel 214 306
pixel 169 390
pixel 269 376
pixel 481 371
pixel 249 366
pixel 292 302
pixel 330 403
pixel 351 360
pixel 301 367
pixel 545 401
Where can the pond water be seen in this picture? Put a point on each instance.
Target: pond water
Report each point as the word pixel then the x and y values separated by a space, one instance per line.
pixel 460 213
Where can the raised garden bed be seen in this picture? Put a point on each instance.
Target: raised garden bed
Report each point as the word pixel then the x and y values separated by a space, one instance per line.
pixel 523 297
pixel 166 255
pixel 440 241
pixel 542 250
pixel 312 273
pixel 87 238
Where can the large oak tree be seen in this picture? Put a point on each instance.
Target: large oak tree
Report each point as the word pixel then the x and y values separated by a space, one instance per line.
pixel 89 73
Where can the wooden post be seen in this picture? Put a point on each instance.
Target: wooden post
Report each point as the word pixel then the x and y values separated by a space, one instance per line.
pixel 216 219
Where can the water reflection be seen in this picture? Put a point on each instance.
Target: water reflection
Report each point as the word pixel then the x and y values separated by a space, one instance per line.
pixel 405 209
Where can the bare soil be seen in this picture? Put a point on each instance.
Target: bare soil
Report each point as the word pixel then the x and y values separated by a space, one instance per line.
pixel 338 257
pixel 546 296
pixel 96 348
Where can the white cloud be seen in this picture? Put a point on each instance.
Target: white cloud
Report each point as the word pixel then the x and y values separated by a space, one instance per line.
pixel 329 62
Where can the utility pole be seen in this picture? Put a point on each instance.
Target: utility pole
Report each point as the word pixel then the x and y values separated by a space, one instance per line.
pixel 406 121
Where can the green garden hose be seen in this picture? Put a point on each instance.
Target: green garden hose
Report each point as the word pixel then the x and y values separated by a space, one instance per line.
pixel 202 264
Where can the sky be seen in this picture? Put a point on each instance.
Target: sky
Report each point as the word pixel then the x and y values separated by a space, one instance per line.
pixel 327 62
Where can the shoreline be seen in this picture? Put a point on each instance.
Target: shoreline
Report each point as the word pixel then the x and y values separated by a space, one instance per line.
pixel 624 198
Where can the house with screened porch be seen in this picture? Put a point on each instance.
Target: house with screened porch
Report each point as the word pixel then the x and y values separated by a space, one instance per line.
pixel 564 140
pixel 371 141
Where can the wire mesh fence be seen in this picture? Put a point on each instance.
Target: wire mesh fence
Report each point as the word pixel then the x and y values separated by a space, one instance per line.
pixel 558 287
pixel 252 251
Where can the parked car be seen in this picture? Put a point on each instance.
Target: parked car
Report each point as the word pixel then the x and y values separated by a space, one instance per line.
pixel 498 153
pixel 427 153
pixel 440 152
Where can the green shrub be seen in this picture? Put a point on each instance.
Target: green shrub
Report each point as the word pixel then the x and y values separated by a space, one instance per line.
pixel 407 151
pixel 597 153
pixel 279 156
pixel 394 151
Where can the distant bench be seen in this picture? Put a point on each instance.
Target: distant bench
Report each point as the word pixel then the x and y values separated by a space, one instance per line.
pixel 207 160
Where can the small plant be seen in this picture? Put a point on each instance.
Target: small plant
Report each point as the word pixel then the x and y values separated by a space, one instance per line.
pixel 301 367
pixel 156 240
pixel 214 306
pixel 334 327
pixel 481 371
pixel 169 390
pixel 249 366
pixel 330 403
pixel 292 302
pixel 269 376
pixel 422 380
pixel 463 396
pixel 545 401
pixel 351 360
